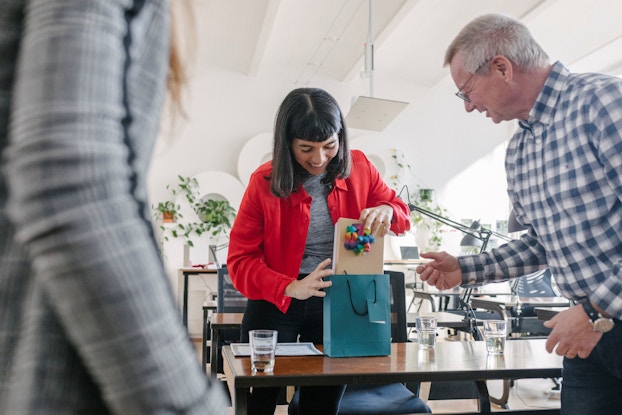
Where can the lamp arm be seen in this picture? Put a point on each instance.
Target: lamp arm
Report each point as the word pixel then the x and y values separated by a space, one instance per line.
pixel 482 234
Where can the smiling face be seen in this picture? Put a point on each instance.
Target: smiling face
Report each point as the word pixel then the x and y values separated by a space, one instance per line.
pixel 315 156
pixel 490 93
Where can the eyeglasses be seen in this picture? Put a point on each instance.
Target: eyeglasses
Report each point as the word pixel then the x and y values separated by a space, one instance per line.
pixel 462 95
pixel 465 95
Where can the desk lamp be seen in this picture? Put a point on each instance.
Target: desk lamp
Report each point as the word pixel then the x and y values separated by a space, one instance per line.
pixel 475 235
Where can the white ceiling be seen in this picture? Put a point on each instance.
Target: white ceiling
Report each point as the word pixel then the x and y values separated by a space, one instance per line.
pixel 302 40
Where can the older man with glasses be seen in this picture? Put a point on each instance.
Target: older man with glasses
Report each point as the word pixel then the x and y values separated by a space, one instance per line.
pixel 564 166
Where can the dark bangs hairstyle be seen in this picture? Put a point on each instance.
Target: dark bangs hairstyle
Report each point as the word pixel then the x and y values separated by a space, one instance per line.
pixel 310 114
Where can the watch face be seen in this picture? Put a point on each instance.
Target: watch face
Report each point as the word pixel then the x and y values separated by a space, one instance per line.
pixel 603 325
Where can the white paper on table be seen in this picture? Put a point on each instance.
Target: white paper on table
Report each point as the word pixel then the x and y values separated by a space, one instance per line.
pixel 282 349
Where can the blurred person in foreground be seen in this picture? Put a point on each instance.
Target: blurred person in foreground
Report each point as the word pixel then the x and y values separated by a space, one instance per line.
pixel 88 323
pixel 564 175
pixel 282 239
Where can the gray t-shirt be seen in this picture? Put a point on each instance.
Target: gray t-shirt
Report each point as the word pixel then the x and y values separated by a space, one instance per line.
pixel 320 237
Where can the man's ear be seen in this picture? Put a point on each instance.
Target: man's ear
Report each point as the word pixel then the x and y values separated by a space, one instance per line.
pixel 503 67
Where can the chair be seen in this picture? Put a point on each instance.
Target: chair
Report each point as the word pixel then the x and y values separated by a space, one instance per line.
pixel 229 300
pixel 394 398
pixel 464 389
pixel 524 318
pixel 422 296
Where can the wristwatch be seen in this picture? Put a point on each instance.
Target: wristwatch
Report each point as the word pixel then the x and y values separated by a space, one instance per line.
pixel 599 323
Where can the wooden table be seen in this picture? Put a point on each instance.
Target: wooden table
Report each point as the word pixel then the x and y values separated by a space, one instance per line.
pixel 407 262
pixel 411 265
pixel 443 319
pixel 186 272
pixel 222 321
pixel 447 361
pixel 444 297
pixel 218 322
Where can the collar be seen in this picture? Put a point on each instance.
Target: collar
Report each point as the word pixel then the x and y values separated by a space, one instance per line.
pixel 545 105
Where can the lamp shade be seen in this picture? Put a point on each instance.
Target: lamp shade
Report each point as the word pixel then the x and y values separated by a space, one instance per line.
pixel 513 225
pixel 471 240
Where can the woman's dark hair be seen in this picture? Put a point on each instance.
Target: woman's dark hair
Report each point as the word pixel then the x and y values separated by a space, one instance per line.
pixel 310 114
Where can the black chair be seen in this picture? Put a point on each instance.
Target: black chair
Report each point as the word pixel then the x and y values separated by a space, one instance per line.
pixel 524 319
pixel 394 398
pixel 465 389
pixel 229 300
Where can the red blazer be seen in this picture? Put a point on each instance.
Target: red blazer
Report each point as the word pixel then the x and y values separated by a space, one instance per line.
pixel 269 233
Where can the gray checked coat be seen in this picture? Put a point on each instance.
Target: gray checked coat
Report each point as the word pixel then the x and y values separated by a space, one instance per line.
pixel 88 323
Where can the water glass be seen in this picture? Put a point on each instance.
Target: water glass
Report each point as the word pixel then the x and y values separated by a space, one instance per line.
pixel 495 332
pixel 263 349
pixel 426 331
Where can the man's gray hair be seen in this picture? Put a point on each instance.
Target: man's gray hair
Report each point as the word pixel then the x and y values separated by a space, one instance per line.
pixel 495 34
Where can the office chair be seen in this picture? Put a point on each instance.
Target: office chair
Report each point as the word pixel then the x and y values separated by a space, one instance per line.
pixel 394 398
pixel 464 389
pixel 524 319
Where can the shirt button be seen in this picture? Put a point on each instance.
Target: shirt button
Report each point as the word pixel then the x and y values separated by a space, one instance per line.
pixel 563 263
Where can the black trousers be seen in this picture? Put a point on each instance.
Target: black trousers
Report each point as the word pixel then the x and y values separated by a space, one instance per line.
pixel 302 322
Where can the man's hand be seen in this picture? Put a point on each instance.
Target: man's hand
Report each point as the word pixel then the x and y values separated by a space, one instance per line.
pixel 572 334
pixel 443 272
pixel 312 284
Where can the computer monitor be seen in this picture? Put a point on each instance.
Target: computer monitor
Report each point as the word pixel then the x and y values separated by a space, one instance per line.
pixel 409 252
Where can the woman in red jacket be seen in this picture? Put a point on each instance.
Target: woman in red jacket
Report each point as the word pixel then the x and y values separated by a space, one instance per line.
pixel 282 239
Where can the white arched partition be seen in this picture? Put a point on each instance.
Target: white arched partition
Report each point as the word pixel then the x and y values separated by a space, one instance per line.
pixel 216 185
pixel 255 152
pixel 219 183
pixel 378 152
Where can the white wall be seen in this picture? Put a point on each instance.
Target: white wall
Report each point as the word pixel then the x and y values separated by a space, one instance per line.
pixel 438 138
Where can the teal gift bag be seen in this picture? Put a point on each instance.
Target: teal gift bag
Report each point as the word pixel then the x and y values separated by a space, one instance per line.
pixel 357 319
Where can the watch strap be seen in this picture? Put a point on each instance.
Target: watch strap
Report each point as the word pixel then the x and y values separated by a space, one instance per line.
pixel 589 309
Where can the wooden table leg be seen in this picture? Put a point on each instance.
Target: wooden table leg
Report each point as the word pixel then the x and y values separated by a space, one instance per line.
pixel 239 396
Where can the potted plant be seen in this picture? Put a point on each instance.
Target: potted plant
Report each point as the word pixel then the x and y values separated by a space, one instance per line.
pixel 167 210
pixel 430 231
pixel 429 227
pixel 216 216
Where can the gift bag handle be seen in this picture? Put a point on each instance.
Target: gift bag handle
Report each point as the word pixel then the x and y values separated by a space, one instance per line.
pixel 352 302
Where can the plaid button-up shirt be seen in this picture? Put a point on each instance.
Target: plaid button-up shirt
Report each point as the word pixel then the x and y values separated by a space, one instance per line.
pixel 564 168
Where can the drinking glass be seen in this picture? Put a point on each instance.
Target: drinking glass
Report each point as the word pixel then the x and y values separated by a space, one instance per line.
pixel 495 332
pixel 426 331
pixel 263 349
